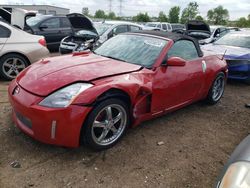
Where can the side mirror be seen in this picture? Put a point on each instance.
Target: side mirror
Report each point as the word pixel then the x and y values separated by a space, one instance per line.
pixel 176 61
pixel 110 35
pixel 42 27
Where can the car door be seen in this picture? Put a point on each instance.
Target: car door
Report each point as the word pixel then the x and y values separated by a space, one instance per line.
pixel 117 30
pixel 66 29
pixel 50 29
pixel 174 86
pixel 4 35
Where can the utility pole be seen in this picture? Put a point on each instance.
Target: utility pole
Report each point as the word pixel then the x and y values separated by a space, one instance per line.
pixel 120 7
pixel 110 6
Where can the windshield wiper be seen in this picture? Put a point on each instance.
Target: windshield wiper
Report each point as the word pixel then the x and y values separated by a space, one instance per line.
pixel 113 58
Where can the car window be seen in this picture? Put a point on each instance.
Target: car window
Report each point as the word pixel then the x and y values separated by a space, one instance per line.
pixel 164 26
pixel 169 27
pixel 159 26
pixel 4 32
pixel 184 49
pixel 135 49
pixel 120 29
pixel 52 23
pixel 238 40
pixel 134 28
pixel 65 23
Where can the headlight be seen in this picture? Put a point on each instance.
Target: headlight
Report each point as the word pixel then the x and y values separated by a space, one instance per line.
pixel 64 97
pixel 237 175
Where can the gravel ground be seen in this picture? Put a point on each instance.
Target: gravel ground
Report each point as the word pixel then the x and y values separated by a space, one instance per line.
pixel 196 143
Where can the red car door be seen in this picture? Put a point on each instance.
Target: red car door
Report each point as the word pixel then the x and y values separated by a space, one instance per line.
pixel 174 86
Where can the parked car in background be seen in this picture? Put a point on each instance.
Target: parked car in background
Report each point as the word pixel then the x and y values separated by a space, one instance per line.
pixel 177 26
pixel 18 49
pixel 197 29
pixel 236 172
pixel 93 97
pixel 216 33
pixel 158 26
pixel 94 34
pixel 53 28
pixel 236 47
pixel 16 16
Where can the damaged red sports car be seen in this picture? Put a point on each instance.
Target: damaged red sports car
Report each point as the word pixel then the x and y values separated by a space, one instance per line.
pixel 93 97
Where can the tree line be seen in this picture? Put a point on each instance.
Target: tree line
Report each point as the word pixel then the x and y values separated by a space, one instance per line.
pixel 216 16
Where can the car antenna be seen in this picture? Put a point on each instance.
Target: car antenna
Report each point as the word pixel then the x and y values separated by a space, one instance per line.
pixel 224 54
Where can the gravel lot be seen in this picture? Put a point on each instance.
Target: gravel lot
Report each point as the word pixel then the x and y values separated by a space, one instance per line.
pixel 197 142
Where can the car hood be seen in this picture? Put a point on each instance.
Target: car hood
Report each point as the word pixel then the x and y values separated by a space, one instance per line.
pixel 197 26
pixel 81 22
pixel 48 75
pixel 232 52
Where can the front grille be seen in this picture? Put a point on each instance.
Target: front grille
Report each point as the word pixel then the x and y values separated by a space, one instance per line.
pixel 237 62
pixel 27 122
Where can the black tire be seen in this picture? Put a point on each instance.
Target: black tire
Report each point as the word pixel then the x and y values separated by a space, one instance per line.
pixel 88 130
pixel 247 81
pixel 7 58
pixel 211 99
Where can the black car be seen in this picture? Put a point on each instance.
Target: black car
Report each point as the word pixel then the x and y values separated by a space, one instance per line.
pixel 53 28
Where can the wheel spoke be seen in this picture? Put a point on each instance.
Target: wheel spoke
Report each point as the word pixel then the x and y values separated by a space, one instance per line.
pixel 117 118
pixel 15 61
pixel 109 113
pixel 6 64
pixel 99 124
pixel 113 129
pixel 103 135
pixel 16 71
pixel 22 66
pixel 9 71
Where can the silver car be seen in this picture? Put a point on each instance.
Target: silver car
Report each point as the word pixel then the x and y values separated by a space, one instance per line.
pixel 18 49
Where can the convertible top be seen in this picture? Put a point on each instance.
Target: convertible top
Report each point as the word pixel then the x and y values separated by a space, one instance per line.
pixel 173 36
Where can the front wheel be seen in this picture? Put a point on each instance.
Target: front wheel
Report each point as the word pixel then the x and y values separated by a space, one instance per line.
pixel 217 89
pixel 106 124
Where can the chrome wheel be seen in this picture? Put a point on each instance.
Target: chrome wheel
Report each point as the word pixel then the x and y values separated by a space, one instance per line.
pixel 13 66
pixel 109 124
pixel 218 88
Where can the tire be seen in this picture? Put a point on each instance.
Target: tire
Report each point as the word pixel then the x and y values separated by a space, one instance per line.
pixel 102 131
pixel 217 89
pixel 247 81
pixel 11 65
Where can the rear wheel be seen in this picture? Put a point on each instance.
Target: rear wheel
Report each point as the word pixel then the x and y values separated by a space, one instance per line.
pixel 11 65
pixel 106 124
pixel 217 89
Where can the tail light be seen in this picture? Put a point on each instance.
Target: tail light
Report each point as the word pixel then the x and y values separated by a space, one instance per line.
pixel 43 42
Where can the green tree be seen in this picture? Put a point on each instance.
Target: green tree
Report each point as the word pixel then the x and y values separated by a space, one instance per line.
pixel 218 16
pixel 199 18
pixel 243 22
pixel 174 14
pixel 248 17
pixel 141 17
pixel 100 14
pixel 162 17
pixel 111 16
pixel 190 12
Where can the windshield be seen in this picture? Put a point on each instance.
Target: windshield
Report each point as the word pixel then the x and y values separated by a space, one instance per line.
pixel 35 20
pixel 235 40
pixel 151 25
pixel 134 49
pixel 102 27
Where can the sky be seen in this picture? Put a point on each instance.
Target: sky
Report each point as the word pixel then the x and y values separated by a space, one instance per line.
pixel 236 8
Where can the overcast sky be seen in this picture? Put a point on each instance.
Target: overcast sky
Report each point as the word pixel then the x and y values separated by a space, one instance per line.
pixel 237 8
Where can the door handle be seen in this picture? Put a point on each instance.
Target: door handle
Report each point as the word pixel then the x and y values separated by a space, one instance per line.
pixel 204 66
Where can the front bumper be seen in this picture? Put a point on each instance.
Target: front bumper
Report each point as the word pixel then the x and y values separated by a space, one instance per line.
pixel 57 126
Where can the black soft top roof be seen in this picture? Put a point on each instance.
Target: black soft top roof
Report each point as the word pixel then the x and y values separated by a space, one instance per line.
pixel 173 36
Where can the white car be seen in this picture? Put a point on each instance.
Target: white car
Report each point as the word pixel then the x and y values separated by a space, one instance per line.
pixel 90 34
pixel 158 26
pixel 18 49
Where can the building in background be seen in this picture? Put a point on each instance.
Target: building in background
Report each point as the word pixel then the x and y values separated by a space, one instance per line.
pixel 42 9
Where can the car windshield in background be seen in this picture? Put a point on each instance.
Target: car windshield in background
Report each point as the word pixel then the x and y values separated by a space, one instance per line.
pixel 135 49
pixel 235 40
pixel 102 27
pixel 35 20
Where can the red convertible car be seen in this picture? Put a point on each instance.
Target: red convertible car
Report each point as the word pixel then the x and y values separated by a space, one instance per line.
pixel 93 97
